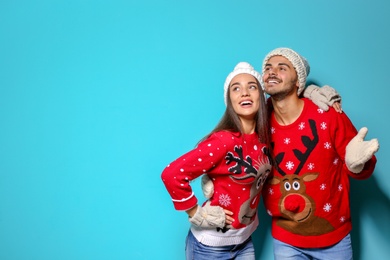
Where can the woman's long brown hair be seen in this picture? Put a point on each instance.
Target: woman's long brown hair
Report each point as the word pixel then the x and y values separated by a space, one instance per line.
pixel 231 122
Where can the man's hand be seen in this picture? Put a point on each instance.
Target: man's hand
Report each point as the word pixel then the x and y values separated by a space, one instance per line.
pixel 358 151
pixel 207 186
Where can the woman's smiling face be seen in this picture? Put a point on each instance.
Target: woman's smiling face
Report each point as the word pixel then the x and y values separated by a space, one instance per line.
pixel 245 96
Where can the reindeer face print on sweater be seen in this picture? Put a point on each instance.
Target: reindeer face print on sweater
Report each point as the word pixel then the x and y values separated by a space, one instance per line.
pixel 255 173
pixel 295 204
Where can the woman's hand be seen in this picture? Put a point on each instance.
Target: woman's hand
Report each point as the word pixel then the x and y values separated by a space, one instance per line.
pixel 228 219
pixel 207 216
pixel 337 107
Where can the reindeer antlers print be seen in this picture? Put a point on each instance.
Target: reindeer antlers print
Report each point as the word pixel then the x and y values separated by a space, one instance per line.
pixel 240 162
pixel 310 144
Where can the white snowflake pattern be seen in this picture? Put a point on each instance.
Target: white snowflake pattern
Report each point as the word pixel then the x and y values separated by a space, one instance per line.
pixel 255 147
pixel 287 140
pixel 224 200
pixel 301 126
pixel 310 166
pixel 327 207
pixel 269 212
pixel 272 130
pixel 290 165
pixel 340 187
pixel 335 162
pixel 323 186
pixel 342 219
pixel 320 111
pixel 323 126
pixel 271 191
pixel 327 145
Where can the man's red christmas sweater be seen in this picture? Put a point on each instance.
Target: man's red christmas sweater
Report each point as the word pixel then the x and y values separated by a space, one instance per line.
pixel 308 192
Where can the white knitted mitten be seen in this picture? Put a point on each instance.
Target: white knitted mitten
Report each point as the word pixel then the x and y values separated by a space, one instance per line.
pixel 207 186
pixel 323 97
pixel 358 151
pixel 209 217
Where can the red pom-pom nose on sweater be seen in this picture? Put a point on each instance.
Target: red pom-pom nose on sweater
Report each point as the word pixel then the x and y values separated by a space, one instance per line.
pixel 294 203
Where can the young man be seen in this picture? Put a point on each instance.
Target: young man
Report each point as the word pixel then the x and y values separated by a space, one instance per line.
pixel 315 154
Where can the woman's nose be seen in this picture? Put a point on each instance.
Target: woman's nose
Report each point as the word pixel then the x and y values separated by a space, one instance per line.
pixel 245 92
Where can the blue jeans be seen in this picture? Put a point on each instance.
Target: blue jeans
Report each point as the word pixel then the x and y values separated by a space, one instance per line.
pixel 340 251
pixel 197 251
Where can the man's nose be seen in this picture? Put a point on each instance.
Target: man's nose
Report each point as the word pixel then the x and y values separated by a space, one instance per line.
pixel 271 71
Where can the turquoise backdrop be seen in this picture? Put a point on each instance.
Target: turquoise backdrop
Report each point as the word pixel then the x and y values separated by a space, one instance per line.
pixel 98 96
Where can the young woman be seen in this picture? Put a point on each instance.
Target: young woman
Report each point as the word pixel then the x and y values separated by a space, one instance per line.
pixel 235 156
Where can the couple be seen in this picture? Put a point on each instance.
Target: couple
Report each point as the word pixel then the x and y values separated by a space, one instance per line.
pixel 286 148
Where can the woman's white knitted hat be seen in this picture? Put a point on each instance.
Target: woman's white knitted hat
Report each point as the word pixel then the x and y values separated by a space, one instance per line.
pixel 300 64
pixel 240 68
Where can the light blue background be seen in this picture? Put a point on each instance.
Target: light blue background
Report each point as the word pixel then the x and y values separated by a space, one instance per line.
pixel 97 97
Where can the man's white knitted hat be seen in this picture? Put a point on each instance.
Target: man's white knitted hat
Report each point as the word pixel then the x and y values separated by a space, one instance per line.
pixel 300 64
pixel 240 68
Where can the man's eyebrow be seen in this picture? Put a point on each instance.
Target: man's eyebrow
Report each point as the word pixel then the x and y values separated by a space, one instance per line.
pixel 279 64
pixel 284 64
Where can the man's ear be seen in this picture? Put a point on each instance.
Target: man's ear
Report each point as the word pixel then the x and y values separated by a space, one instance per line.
pixel 297 86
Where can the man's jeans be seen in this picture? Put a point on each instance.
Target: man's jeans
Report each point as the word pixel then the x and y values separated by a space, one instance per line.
pixel 198 251
pixel 340 251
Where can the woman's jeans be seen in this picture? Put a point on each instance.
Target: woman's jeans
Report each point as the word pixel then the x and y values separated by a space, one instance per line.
pixel 340 251
pixel 198 251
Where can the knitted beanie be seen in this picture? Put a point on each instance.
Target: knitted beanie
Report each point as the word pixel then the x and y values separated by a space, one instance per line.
pixel 300 64
pixel 240 68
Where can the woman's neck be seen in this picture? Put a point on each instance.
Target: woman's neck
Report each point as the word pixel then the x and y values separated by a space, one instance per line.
pixel 248 126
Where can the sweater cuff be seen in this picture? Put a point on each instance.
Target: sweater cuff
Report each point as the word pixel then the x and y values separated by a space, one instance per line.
pixel 186 205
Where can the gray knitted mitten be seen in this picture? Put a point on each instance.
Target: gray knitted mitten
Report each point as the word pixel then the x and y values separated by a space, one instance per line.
pixel 207 186
pixel 209 217
pixel 323 97
pixel 358 151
